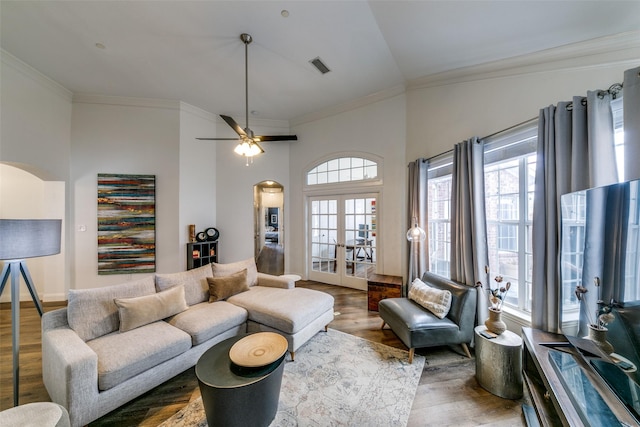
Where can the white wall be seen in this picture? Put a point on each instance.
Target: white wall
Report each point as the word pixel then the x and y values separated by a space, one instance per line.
pixel 377 128
pixel 25 196
pixel 234 189
pixel 35 118
pixel 123 136
pixel 442 115
pixel 197 203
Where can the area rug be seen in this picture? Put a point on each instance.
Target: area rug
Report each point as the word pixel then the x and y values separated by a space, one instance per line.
pixel 337 379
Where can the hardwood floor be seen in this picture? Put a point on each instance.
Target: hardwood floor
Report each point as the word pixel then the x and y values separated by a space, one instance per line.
pixel 447 395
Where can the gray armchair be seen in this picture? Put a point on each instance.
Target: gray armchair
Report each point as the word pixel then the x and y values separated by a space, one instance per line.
pixel 417 327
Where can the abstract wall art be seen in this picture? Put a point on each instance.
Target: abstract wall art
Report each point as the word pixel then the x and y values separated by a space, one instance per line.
pixel 126 224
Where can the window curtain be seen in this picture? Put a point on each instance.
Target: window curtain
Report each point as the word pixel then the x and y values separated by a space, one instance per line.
pixel 631 105
pixel 469 252
pixel 417 211
pixel 575 152
pixel 607 216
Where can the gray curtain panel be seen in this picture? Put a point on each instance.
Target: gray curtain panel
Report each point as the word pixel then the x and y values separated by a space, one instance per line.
pixel 418 253
pixel 469 252
pixel 631 105
pixel 607 211
pixel 575 152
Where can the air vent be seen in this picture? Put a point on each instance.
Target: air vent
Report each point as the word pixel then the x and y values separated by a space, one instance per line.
pixel 317 62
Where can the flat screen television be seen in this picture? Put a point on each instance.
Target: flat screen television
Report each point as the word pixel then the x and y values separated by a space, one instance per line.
pixel 600 252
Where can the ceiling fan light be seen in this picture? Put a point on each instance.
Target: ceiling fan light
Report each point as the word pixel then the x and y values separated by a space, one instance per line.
pixel 255 149
pixel 239 149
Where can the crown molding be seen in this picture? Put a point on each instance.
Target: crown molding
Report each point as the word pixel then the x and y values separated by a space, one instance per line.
pixel 125 101
pixel 35 75
pixel 623 48
pixel 198 112
pixel 349 105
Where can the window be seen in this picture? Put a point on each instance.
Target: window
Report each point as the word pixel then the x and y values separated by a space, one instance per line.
pixel 344 169
pixel 439 214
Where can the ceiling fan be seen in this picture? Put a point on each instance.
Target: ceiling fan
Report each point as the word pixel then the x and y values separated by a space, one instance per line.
pixel 249 144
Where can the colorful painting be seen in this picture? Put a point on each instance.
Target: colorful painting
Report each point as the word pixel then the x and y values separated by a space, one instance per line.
pixel 126 224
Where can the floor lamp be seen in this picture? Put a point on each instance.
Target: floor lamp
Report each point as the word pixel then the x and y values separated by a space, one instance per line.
pixel 415 235
pixel 20 239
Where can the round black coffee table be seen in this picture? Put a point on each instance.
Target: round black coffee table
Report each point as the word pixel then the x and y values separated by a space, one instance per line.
pixel 234 395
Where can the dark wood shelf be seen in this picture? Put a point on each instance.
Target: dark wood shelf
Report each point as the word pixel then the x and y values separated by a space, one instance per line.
pixel 201 253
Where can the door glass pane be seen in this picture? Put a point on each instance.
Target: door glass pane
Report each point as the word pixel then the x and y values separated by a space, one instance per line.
pixel 360 236
pixel 324 234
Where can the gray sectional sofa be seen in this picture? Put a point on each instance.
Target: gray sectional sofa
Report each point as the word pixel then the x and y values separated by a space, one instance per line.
pixel 112 344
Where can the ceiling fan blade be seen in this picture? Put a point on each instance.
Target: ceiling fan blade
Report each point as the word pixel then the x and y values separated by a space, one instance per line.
pixel 218 139
pixel 263 138
pixel 235 126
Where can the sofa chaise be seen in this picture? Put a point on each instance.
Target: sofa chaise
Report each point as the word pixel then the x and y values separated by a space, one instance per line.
pixel 112 344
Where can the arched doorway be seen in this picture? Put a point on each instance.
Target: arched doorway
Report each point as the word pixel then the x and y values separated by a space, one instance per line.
pixel 29 193
pixel 268 203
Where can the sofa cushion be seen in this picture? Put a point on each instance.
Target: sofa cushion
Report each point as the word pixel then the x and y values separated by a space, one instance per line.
pixel 123 355
pixel 93 313
pixel 221 288
pixel 196 288
pixel 287 310
pixel 206 320
pixel 437 301
pixel 139 311
pixel 221 270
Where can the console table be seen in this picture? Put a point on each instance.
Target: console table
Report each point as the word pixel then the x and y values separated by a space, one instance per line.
pixel 554 402
pixel 499 363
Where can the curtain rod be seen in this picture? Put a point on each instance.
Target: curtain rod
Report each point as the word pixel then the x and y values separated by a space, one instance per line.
pixel 614 89
pixel 484 137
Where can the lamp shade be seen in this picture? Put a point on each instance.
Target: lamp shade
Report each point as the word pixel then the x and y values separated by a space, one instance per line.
pixel 416 234
pixel 29 238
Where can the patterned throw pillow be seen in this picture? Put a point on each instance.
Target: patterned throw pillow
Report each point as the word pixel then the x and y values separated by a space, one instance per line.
pixel 437 301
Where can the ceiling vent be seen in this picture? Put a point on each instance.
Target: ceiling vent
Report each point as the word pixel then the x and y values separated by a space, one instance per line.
pixel 317 62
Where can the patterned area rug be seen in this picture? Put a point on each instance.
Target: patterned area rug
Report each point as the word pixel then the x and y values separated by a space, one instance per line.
pixel 337 379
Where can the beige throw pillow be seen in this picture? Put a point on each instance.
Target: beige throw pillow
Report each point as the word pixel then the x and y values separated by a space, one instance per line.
pixel 437 301
pixel 140 311
pixel 222 270
pixel 221 288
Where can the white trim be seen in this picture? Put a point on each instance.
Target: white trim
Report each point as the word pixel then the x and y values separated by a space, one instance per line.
pixel 620 49
pixel 336 187
pixel 349 105
pixel 35 75
pixel 87 98
pixel 198 112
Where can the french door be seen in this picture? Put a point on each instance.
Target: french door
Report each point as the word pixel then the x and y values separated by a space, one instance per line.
pixel 342 239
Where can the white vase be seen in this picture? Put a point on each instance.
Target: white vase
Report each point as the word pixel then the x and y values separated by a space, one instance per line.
pixel 599 337
pixel 494 323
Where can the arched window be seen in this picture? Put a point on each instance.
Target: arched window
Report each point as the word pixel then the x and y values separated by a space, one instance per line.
pixel 343 169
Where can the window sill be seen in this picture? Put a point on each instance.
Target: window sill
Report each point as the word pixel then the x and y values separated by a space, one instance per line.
pixel 516 319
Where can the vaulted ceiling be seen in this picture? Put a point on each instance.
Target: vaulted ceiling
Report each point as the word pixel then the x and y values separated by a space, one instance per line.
pixel 191 50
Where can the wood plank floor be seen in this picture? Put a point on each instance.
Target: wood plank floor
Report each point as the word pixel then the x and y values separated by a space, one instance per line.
pixel 446 396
